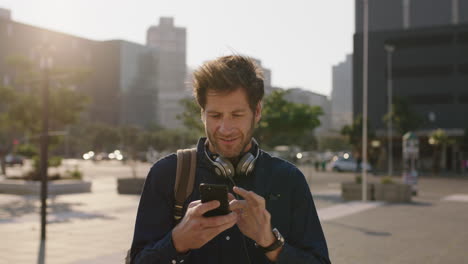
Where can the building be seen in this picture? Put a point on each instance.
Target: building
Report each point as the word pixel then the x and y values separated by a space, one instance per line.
pixel 122 83
pixel 138 81
pixel 172 82
pixel 410 14
pixel 341 95
pixel 5 14
pixel 429 67
pixel 266 76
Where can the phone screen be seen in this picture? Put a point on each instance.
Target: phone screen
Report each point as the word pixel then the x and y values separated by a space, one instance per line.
pixel 210 192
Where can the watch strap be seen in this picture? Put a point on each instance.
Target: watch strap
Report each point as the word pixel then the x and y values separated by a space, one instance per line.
pixel 279 241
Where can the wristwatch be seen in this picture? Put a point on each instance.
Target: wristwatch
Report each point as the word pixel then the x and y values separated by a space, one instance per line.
pixel 279 241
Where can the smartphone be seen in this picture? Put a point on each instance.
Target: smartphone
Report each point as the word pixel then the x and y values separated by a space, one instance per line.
pixel 210 192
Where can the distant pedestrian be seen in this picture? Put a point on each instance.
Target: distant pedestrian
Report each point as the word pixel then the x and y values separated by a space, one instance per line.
pixel 359 164
pixel 317 165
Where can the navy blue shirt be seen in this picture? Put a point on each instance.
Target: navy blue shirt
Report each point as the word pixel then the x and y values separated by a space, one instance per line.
pixel 288 200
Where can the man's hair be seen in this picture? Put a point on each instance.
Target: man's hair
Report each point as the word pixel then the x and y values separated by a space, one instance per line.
pixel 227 74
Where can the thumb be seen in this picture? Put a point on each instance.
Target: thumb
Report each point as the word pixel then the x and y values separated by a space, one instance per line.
pixel 208 206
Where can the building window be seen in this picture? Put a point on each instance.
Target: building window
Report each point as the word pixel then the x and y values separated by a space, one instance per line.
pixel 463 38
pixel 463 68
pixel 422 41
pixel 421 71
pixel 428 99
pixel 463 99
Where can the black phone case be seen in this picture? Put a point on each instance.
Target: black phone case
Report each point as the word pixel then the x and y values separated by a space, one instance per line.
pixel 210 192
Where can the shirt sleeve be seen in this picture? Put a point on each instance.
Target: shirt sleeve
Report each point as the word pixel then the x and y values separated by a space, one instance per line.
pixel 152 240
pixel 306 243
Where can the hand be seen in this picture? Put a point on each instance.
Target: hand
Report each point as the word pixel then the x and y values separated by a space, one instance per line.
pixel 254 219
pixel 195 230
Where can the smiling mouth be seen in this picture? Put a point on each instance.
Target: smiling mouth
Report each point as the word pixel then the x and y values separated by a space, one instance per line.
pixel 228 140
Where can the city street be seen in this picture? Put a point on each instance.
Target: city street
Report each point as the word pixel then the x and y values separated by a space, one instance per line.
pixel 97 227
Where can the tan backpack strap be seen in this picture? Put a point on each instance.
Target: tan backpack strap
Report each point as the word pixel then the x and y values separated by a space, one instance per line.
pixel 193 168
pixel 185 178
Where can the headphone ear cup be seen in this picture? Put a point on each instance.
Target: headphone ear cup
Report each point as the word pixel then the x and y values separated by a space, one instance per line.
pixel 223 167
pixel 245 165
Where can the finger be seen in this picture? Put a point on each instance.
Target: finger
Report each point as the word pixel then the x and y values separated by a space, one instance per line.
pixel 194 203
pixel 237 205
pixel 231 197
pixel 208 206
pixel 215 230
pixel 215 221
pixel 251 197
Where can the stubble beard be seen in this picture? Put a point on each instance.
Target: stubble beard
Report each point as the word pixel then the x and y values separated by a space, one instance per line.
pixel 236 151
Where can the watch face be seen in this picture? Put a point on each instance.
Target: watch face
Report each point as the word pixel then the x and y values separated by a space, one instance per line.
pixel 278 242
pixel 278 235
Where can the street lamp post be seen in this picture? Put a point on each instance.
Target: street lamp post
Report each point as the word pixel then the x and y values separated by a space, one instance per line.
pixel 364 100
pixel 45 64
pixel 390 49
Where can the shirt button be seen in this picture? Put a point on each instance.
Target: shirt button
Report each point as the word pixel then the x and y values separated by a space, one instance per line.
pixel 227 238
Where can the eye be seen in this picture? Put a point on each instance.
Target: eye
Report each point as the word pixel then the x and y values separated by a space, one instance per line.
pixel 215 115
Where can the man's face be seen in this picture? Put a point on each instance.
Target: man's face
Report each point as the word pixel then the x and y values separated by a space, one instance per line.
pixel 229 122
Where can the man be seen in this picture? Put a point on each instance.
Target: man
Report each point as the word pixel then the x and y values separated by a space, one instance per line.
pixel 273 218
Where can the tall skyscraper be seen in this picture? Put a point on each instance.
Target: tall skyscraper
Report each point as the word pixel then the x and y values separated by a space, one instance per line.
pixel 342 94
pixel 423 44
pixel 171 44
pixel 411 14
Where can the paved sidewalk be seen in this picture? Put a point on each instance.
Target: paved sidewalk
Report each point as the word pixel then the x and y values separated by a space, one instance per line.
pixel 97 227
pixel 82 228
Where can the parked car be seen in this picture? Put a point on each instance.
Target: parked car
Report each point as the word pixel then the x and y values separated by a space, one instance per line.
pixel 12 159
pixel 346 163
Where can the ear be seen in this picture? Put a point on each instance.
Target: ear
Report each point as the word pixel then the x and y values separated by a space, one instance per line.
pixel 202 116
pixel 258 112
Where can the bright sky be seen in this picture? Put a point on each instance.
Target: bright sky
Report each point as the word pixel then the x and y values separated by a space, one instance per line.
pixel 299 40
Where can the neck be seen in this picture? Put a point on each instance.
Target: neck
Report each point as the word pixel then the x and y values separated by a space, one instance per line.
pixel 233 160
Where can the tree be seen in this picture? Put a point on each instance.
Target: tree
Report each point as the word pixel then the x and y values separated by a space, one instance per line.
pixel 333 143
pixel 129 136
pixel 191 117
pixel 8 126
pixel 282 123
pixel 403 118
pixel 102 137
pixel 353 133
pixel 21 115
pixel 167 139
pixel 287 123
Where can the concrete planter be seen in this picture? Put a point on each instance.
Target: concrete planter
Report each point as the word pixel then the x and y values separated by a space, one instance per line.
pixel 57 187
pixel 393 192
pixel 351 191
pixel 130 185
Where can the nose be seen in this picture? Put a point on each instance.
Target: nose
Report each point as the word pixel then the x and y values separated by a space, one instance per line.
pixel 226 126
